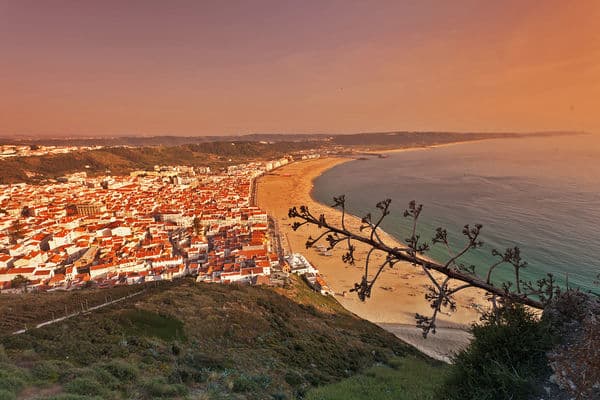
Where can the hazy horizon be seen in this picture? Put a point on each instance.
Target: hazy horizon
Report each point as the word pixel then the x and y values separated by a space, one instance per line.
pixel 324 134
pixel 210 68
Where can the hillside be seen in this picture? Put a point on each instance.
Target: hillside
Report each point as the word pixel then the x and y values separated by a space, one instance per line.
pixel 215 154
pixel 187 340
pixel 122 160
pixel 365 138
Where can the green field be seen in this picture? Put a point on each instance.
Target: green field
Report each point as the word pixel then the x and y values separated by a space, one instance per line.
pixel 401 379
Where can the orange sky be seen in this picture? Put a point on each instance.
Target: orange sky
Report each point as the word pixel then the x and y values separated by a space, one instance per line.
pixel 205 68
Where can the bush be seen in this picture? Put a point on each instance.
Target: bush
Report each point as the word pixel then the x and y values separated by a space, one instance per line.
pixel 186 374
pixel 507 358
pixel 104 377
pixel 12 379
pixel 69 396
pixel 206 361
pixel 158 387
pixel 51 371
pixel 7 395
pixel 293 378
pixel 121 370
pixel 147 323
pixel 85 386
pixel 3 355
pixel 244 383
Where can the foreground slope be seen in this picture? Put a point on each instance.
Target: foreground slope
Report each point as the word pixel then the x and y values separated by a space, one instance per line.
pixel 187 340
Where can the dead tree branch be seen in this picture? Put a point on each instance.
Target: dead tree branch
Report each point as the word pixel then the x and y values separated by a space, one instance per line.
pixel 440 293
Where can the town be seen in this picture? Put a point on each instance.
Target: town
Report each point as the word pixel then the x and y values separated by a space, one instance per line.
pixel 12 151
pixel 162 224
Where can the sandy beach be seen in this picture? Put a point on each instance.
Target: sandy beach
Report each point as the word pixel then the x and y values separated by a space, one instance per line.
pixel 398 293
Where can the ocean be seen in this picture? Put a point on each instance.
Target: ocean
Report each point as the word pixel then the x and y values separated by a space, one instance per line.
pixel 540 194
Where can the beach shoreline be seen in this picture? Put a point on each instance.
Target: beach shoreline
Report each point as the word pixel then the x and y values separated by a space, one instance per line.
pixel 429 147
pixel 399 292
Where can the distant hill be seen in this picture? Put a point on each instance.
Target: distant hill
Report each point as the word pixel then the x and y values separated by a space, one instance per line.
pixel 393 137
pixel 161 140
pixel 132 153
pixel 180 338
pixel 122 160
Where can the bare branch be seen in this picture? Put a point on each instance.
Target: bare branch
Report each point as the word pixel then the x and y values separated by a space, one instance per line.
pixel 414 250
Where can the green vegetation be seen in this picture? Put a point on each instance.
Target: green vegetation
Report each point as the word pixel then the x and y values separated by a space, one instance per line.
pixel 187 340
pixel 506 360
pixel 146 323
pixel 403 379
pixel 158 387
pixel 27 309
pixel 85 386
pixel 12 378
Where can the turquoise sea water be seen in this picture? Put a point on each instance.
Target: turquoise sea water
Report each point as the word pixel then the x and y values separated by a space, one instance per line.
pixel 541 194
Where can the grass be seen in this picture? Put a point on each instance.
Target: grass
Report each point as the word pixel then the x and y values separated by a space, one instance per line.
pixel 405 379
pixel 7 395
pixel 12 378
pixel 28 309
pixel 231 341
pixel 50 371
pixel 147 323
pixel 85 386
pixel 160 388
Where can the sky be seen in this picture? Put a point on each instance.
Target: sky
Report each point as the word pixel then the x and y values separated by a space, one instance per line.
pixel 146 67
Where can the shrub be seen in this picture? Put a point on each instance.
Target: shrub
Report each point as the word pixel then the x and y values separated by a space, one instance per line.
pixel 70 396
pixel 12 379
pixel 186 374
pixel 3 356
pixel 51 371
pixel 85 386
pixel 147 323
pixel 158 387
pixel 29 355
pixel 263 381
pixel 206 361
pixel 105 378
pixel 121 370
pixel 244 383
pixel 7 395
pixel 507 358
pixel 293 378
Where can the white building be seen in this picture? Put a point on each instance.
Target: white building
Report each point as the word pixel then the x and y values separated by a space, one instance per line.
pixel 299 264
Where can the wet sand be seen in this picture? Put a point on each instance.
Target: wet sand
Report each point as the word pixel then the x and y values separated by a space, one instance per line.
pixel 398 293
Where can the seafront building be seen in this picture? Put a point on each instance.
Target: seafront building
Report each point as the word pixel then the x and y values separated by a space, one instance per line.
pixel 152 225
pixel 297 264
